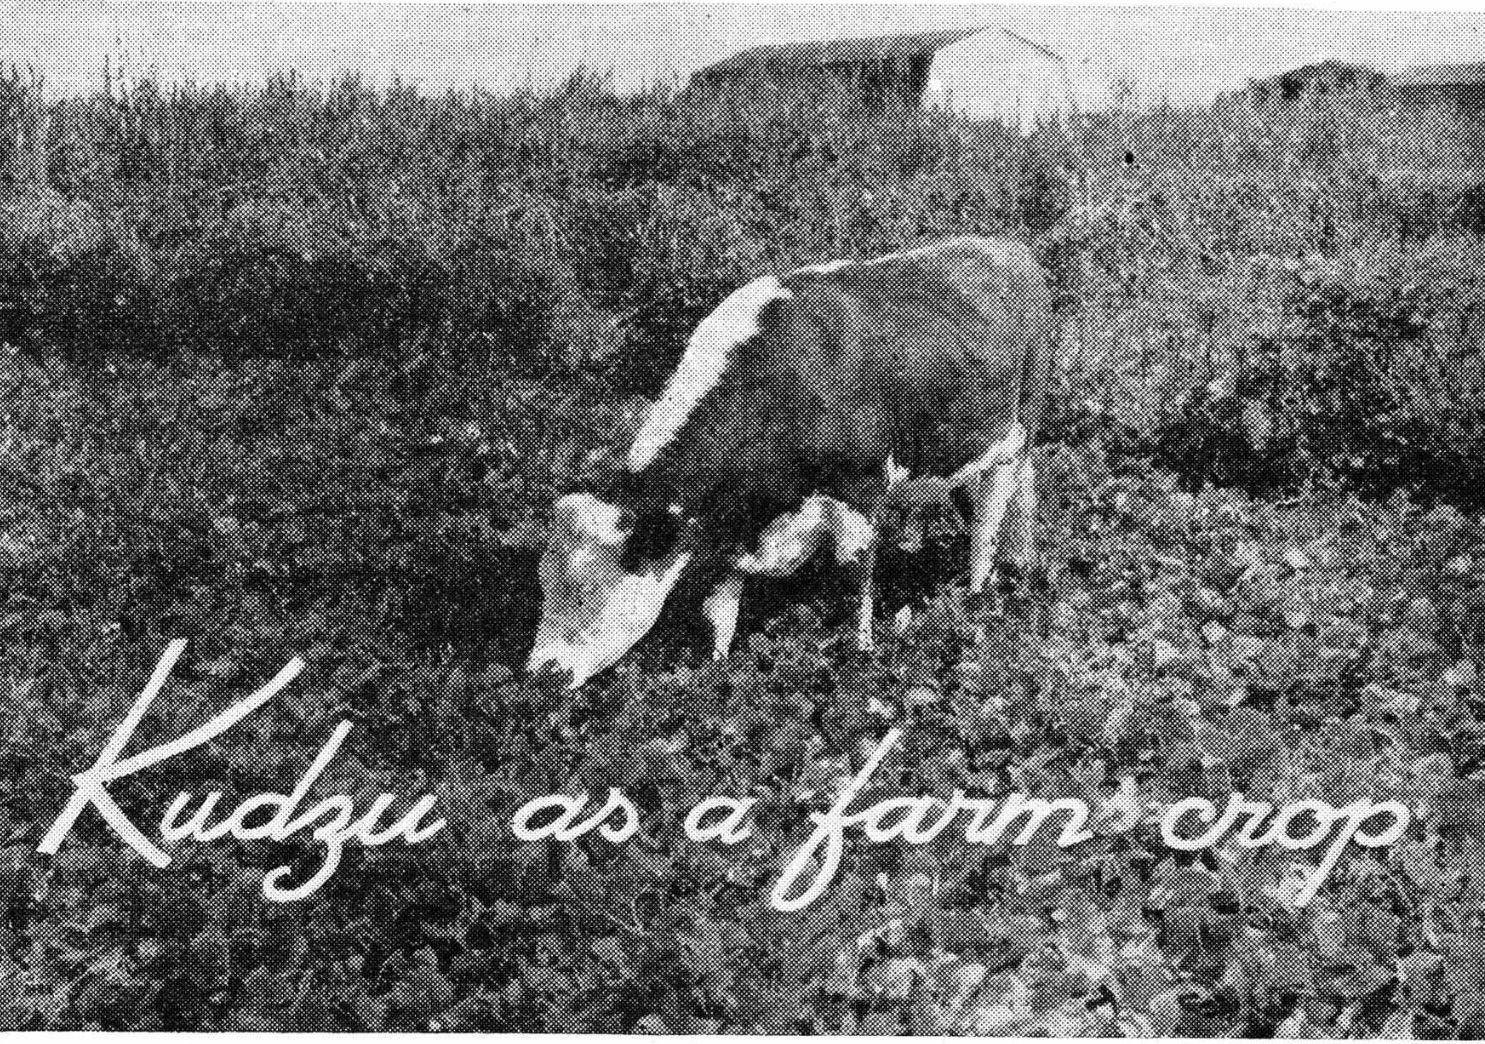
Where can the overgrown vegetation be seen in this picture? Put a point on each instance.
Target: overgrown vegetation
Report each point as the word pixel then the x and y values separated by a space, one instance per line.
pixel 296 370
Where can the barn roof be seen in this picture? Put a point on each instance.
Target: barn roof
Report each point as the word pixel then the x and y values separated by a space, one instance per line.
pixel 1443 75
pixel 836 52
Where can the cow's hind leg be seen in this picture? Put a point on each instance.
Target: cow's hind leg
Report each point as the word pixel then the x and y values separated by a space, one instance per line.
pixel 997 487
pixel 1021 541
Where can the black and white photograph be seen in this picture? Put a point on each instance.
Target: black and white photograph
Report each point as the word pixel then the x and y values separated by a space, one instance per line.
pixel 742 519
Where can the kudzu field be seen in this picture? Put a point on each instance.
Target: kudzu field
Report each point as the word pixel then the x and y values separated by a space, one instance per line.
pixel 297 370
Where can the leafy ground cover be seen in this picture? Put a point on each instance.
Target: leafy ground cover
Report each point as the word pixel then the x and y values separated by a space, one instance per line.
pixel 1181 644
pixel 297 371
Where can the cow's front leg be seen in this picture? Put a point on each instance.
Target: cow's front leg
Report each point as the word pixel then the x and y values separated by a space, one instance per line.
pixel 721 609
pixel 894 475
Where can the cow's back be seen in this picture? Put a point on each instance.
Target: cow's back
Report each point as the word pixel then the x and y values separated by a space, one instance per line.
pixel 925 356
pixel 949 343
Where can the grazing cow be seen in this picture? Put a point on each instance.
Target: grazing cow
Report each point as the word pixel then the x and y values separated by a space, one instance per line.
pixel 804 410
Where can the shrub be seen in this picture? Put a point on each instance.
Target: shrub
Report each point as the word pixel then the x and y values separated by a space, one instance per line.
pixel 1469 210
pixel 504 305
pixel 245 299
pixel 635 163
pixel 379 299
pixel 27 268
pixel 260 299
pixel 1353 394
pixel 100 300
pixel 610 224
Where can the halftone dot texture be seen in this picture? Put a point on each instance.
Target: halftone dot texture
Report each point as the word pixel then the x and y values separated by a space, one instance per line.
pixel 299 370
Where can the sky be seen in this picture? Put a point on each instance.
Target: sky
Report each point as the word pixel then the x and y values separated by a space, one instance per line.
pixel 1186 53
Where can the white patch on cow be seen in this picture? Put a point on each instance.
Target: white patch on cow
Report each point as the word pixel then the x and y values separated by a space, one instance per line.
pixel 851 531
pixel 1001 252
pixel 1002 452
pixel 584 515
pixel 831 267
pixel 825 268
pixel 788 541
pixel 707 356
pixel 614 609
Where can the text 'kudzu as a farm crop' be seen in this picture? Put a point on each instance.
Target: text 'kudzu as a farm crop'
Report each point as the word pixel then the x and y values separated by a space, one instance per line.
pixel 336 821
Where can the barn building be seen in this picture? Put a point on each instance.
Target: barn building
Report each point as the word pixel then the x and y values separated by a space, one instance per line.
pixel 972 70
pixel 879 70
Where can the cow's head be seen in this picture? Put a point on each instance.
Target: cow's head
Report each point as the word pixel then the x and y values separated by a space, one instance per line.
pixel 604 577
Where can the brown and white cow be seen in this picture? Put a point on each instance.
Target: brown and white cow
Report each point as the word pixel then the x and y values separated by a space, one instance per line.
pixel 803 409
